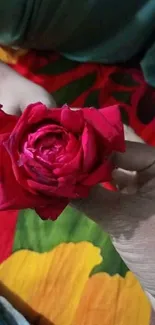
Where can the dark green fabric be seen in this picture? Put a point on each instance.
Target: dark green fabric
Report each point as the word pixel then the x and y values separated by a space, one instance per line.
pixel 106 31
pixel 14 18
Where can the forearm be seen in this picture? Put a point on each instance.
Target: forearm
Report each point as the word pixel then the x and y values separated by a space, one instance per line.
pixel 17 92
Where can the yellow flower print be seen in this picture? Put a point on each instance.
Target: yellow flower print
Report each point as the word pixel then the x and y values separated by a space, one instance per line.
pixel 55 288
pixel 10 56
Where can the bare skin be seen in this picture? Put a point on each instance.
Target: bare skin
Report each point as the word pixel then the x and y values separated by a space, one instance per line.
pixel 16 92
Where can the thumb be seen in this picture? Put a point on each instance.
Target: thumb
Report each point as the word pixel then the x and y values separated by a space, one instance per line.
pixel 137 157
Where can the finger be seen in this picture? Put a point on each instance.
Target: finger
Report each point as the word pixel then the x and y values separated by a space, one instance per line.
pixel 130 135
pixel 10 107
pixel 125 181
pixel 138 156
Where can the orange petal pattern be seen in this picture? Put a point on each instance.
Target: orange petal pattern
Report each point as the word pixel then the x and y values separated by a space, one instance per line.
pixel 55 289
pixel 114 301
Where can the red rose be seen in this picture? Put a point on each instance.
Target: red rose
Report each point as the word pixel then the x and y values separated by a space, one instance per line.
pixel 49 157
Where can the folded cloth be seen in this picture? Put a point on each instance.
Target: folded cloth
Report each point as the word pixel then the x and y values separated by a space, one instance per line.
pixel 10 316
pixel 90 30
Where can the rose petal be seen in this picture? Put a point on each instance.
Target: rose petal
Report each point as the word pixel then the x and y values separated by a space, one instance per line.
pixel 52 211
pixel 12 195
pixel 38 172
pixel 16 164
pixel 61 189
pixel 73 121
pixel 113 116
pixel 34 113
pixel 55 114
pixel 7 122
pixel 43 136
pixel 89 148
pixel 75 165
pixel 73 144
pixel 104 127
pixel 101 174
pixel 81 191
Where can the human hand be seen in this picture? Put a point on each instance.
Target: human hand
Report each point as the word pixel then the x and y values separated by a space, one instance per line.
pixel 17 92
pixel 130 218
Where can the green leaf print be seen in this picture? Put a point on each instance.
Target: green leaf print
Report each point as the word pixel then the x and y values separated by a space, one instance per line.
pixel 72 226
pixel 93 99
pixel 57 67
pixel 124 115
pixel 69 93
pixel 124 79
pixel 123 96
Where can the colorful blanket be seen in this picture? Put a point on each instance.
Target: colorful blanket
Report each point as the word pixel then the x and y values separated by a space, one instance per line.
pixel 67 272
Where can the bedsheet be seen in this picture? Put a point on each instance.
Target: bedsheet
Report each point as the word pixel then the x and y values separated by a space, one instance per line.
pixel 67 272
